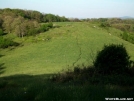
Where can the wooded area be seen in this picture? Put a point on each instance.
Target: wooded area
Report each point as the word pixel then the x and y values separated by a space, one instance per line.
pixel 25 22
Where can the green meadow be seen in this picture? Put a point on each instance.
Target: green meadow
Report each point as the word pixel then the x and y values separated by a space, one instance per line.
pixel 66 44
pixel 25 70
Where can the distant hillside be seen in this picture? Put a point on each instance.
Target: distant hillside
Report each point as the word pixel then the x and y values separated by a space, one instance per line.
pixel 126 17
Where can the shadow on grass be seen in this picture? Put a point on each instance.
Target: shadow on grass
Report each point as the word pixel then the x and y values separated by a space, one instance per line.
pixel 40 88
pixel 2 68
pixel 1 55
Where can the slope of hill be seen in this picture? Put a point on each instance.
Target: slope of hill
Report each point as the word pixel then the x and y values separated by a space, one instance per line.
pixel 60 48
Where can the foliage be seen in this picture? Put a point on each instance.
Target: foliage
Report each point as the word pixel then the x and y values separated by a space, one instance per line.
pixel 112 58
pixel 32 32
pixel 50 25
pixel 124 27
pixel 45 27
pixel 33 15
pixel 1 22
pixel 1 32
pixel 5 43
pixel 26 22
pixel 74 20
pixel 128 37
pixel 23 27
pixel 54 18
pixel 104 24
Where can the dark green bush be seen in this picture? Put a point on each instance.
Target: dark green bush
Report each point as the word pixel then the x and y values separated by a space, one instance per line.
pixel 104 24
pixel 112 58
pixel 45 27
pixel 128 37
pixel 1 32
pixel 32 31
pixel 5 43
pixel 50 25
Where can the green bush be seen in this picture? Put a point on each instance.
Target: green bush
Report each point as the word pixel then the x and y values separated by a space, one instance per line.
pixel 112 58
pixel 128 37
pixel 104 24
pixel 50 25
pixel 5 43
pixel 45 27
pixel 32 31
pixel 1 32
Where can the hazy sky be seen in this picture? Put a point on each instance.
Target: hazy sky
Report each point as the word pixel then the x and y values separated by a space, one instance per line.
pixel 75 8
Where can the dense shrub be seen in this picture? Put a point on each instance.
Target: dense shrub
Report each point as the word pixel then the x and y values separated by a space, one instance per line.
pixel 112 58
pixel 45 27
pixel 32 31
pixel 50 25
pixel 5 43
pixel 128 37
pixel 1 32
pixel 104 24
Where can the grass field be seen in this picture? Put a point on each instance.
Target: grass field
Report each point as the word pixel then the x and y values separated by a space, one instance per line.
pixel 25 68
pixel 63 48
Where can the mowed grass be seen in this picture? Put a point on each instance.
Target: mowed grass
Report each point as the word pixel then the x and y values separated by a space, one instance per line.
pixel 68 45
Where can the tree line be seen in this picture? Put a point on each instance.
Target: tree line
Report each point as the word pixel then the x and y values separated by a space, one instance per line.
pixel 26 22
pixel 33 15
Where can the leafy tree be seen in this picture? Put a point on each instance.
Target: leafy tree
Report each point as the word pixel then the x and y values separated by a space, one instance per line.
pixel 53 18
pixel 49 18
pixel 103 19
pixel 32 15
pixel 19 26
pixel 23 29
pixel 104 24
pixel 8 20
pixel 37 16
pixel 35 24
pixel 26 22
pixel 112 58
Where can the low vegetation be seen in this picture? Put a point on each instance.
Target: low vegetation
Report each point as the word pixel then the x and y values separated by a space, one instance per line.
pixel 5 43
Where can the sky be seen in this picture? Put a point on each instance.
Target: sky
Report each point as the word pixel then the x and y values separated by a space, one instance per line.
pixel 75 8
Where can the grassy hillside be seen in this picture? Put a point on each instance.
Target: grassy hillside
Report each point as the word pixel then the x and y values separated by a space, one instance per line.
pixel 59 49
pixel 25 70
